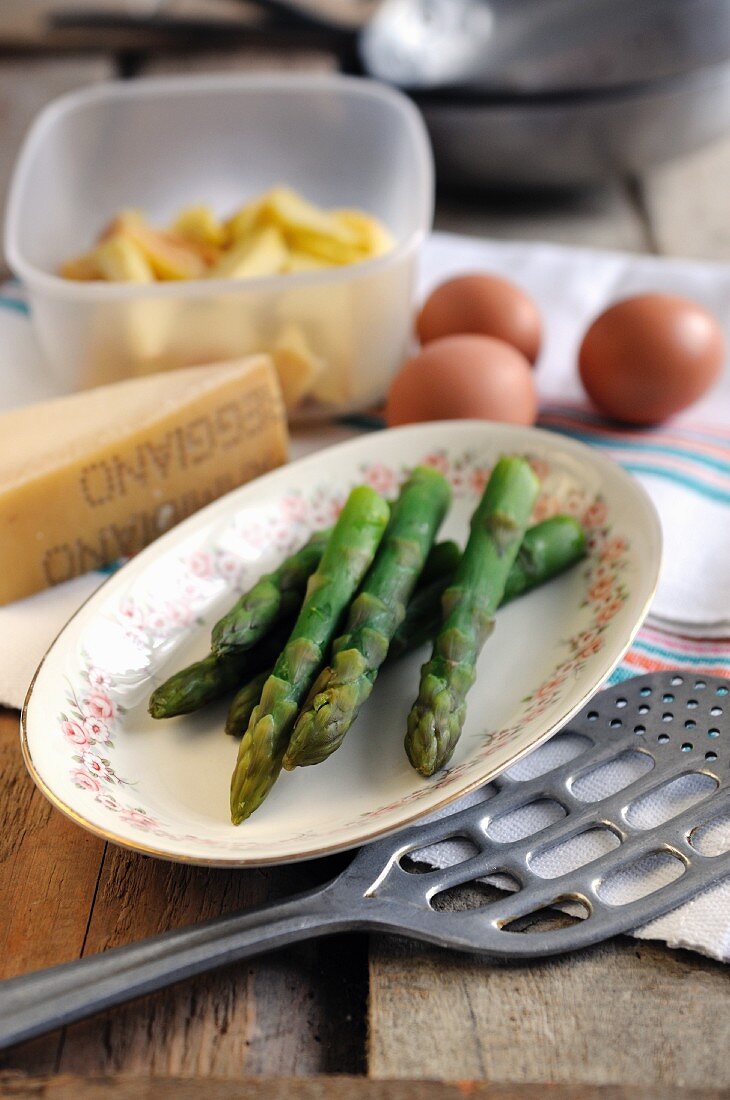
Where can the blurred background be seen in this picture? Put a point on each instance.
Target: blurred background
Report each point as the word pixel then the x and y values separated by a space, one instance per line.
pixel 597 122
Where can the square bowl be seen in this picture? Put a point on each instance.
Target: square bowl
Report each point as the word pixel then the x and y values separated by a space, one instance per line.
pixel 161 144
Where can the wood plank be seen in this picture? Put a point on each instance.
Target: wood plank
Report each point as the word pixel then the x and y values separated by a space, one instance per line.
pixel 624 1013
pixel 53 27
pixel 35 26
pixel 297 1012
pixel 317 1088
pixel 238 60
pixel 26 87
pixel 48 874
pixel 607 218
pixel 686 204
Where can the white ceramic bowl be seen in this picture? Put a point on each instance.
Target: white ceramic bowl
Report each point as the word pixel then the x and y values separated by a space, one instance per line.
pixel 161 144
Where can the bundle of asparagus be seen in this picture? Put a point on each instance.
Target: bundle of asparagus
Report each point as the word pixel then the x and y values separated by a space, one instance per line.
pixel 380 568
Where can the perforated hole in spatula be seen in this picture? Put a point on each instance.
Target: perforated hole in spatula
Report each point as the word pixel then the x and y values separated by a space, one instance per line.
pixel 613 821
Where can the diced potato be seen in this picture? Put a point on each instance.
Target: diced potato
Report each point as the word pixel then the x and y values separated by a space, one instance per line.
pixel 199 225
pixel 372 235
pixel 120 261
pixel 296 364
pixel 296 215
pixel 246 219
pixel 328 249
pixel 169 257
pixel 264 253
pixel 121 222
pixel 82 268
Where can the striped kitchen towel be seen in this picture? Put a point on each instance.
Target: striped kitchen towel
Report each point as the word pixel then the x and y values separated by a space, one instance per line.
pixel 685 468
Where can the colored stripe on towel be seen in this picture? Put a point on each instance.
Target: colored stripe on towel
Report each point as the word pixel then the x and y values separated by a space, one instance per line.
pixel 695 460
pixel 656 650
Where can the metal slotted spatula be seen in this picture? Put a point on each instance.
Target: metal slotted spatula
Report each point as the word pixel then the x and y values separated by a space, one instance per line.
pixel 669 731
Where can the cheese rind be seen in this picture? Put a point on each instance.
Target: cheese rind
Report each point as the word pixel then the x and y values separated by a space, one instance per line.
pixel 96 476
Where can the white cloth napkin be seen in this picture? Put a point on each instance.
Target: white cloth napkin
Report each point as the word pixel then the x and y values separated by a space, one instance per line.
pixel 685 467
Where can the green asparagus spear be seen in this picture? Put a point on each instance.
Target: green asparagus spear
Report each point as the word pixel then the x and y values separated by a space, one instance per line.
pixel 547 549
pixel 347 557
pixel 200 683
pixel 380 606
pixel 497 529
pixel 194 686
pixel 275 596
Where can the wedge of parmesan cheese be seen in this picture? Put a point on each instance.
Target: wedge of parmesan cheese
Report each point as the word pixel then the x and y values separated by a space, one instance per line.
pixel 90 478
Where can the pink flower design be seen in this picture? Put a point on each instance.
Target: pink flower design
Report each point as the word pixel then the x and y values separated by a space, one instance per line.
pixel 96 767
pixel 573 504
pixel 200 563
pixel 178 613
pixel 545 508
pixel 229 567
pixel 603 569
pixel 74 732
pixel 281 537
pixel 614 548
pixel 438 461
pixel 600 589
pixel 595 514
pixel 98 705
pixel 131 613
pixel 253 533
pixel 381 478
pixel 85 781
pixel 335 508
pixel 138 818
pixel 96 730
pixel 108 801
pixel 478 479
pixel 589 648
pixel 98 678
pixel 294 509
pixel 548 688
pixel 540 467
pixel 158 622
pixel 607 612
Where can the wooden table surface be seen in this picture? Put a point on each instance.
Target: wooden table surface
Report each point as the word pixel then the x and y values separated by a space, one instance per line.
pixel 627 1018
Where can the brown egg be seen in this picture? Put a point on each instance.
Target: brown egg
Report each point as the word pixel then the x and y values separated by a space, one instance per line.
pixel 484 305
pixel 650 356
pixel 460 377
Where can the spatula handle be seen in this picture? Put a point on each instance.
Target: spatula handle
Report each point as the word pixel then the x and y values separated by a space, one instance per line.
pixel 39 1002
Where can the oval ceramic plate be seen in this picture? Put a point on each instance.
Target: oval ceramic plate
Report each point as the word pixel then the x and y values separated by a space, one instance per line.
pixel 162 787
